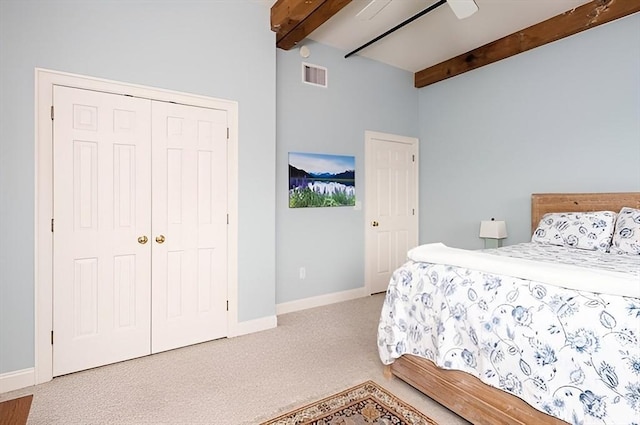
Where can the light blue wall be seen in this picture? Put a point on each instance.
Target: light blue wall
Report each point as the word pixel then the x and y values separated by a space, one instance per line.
pixel 361 95
pixel 218 49
pixel 540 121
pixel 564 117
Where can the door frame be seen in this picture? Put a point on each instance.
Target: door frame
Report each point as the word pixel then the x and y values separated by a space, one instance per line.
pixel 369 136
pixel 43 241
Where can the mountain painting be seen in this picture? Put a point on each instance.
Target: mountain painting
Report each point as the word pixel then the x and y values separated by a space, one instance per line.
pixel 321 180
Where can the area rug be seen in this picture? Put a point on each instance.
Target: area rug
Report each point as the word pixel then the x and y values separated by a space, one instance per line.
pixel 367 403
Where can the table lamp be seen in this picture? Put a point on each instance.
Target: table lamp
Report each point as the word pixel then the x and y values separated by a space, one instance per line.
pixel 493 231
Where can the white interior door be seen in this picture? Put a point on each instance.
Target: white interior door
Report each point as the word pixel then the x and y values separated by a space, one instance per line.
pixel 391 205
pixel 189 264
pixel 102 205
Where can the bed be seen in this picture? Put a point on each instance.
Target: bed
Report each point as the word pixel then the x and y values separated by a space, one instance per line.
pixel 490 357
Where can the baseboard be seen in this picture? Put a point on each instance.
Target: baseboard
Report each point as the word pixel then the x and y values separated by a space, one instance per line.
pixel 251 326
pixel 269 322
pixel 11 381
pixel 320 300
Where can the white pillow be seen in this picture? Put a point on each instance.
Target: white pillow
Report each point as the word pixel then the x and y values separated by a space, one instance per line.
pixel 589 230
pixel 626 237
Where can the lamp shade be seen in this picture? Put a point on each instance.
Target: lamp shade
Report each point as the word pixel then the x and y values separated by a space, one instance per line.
pixel 493 229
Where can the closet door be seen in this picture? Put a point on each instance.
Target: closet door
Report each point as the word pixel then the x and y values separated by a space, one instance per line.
pixel 102 213
pixel 189 225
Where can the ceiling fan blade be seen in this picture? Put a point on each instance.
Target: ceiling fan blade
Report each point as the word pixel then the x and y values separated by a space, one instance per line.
pixel 372 9
pixel 463 8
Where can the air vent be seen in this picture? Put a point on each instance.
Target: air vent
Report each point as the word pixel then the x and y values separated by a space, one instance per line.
pixel 314 75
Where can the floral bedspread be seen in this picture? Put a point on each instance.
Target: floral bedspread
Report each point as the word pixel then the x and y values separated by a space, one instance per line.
pixel 572 354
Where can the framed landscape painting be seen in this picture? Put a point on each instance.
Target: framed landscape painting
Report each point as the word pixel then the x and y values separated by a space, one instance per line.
pixel 321 180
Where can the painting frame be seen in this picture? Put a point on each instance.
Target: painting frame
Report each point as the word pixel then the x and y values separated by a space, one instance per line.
pixel 318 180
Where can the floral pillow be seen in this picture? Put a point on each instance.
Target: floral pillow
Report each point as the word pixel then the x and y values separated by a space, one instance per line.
pixel 588 230
pixel 626 237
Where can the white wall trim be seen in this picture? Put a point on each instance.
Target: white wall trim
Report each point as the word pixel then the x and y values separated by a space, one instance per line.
pixel 320 300
pixel 251 326
pixel 16 380
pixel 43 244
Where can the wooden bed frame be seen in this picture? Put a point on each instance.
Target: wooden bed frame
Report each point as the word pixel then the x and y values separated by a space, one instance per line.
pixel 465 394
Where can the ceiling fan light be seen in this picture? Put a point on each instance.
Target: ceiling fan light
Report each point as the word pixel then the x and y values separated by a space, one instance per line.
pixel 463 8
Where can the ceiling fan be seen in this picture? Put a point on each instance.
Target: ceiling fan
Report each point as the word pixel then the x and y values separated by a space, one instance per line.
pixel 461 8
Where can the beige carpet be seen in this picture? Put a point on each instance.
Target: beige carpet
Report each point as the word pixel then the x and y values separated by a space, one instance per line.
pixel 244 380
pixel 364 404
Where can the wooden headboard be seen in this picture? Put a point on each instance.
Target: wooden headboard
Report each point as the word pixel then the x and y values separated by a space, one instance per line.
pixel 542 203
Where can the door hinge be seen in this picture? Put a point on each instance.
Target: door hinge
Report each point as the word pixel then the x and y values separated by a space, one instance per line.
pixel 413 158
pixel 413 211
pixel 227 305
pixel 51 337
pixel 227 133
pixel 227 218
pixel 52 112
pixel 51 225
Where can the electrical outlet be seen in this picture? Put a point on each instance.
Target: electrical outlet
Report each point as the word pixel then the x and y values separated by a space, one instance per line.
pixel 303 273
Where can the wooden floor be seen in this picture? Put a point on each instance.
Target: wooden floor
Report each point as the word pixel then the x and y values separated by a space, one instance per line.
pixel 16 411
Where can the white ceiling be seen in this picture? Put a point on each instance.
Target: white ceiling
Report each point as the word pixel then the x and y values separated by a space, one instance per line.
pixel 436 36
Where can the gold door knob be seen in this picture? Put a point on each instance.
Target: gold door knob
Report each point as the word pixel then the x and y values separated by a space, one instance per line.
pixel 142 240
pixel 375 223
pixel 160 239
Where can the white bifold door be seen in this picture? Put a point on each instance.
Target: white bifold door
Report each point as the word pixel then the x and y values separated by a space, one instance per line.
pixel 140 227
pixel 189 225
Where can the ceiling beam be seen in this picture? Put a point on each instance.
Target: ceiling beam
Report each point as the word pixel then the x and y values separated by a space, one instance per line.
pixel 584 17
pixel 294 20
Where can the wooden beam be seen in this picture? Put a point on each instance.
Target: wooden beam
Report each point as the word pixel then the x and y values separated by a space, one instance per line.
pixel 294 20
pixel 287 14
pixel 571 22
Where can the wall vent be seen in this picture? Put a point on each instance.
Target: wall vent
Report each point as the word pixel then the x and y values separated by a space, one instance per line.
pixel 314 75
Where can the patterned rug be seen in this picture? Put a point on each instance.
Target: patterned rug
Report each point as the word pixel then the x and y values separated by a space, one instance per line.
pixel 366 403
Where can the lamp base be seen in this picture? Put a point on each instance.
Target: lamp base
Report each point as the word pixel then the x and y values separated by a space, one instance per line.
pixel 492 243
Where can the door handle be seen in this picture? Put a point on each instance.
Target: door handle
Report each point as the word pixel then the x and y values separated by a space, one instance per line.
pixel 142 240
pixel 160 239
pixel 375 223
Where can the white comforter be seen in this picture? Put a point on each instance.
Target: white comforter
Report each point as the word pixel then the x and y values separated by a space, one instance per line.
pixel 566 275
